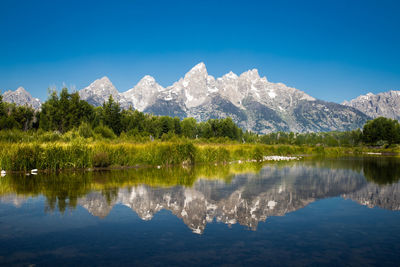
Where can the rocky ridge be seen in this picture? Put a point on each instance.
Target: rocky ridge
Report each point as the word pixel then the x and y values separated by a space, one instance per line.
pixel 251 101
pixel 21 97
pixel 386 104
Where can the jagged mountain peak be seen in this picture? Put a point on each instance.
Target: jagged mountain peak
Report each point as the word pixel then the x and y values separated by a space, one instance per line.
pixel 143 94
pixel 147 79
pixel 21 90
pixel 251 75
pixel 103 81
pixel 21 97
pixel 230 75
pixel 386 104
pixel 105 78
pixel 197 72
pixel 99 91
pixel 200 67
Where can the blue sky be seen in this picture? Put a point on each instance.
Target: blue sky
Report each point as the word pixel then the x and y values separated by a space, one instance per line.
pixel 332 50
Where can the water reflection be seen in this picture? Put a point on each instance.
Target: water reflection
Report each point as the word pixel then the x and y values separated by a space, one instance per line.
pixel 241 194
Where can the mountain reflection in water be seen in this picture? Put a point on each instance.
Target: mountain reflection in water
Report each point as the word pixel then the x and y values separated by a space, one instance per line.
pixel 242 194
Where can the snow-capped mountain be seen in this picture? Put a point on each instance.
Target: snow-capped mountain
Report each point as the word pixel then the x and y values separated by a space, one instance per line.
pixel 251 101
pixel 142 95
pixel 21 97
pixel 99 91
pixel 385 104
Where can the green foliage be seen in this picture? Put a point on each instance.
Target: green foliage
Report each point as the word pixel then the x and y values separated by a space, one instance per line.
pixel 104 132
pixel 381 130
pixel 2 109
pixel 85 130
pixel 330 139
pixel 64 112
pixel 111 115
pixel 189 127
pixel 16 117
pixel 45 157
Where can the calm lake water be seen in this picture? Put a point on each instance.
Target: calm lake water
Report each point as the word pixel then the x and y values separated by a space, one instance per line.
pixel 310 212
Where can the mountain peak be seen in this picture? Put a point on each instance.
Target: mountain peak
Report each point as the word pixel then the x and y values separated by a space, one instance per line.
pixel 102 82
pixel 386 104
pixel 147 79
pixel 230 75
pixel 21 90
pixel 21 97
pixel 251 74
pixel 99 91
pixel 104 79
pixel 199 68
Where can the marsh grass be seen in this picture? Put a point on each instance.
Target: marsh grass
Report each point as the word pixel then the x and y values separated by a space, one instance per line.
pixel 75 152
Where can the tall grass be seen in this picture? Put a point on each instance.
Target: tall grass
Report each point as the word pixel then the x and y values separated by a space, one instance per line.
pixel 83 153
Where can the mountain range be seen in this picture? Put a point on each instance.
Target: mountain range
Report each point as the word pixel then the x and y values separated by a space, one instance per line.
pixel 253 102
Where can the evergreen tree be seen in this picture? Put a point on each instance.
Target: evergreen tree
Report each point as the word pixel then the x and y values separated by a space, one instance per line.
pixel 111 115
pixel 189 127
pixel 64 112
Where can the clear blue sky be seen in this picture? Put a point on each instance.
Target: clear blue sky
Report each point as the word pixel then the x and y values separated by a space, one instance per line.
pixel 333 50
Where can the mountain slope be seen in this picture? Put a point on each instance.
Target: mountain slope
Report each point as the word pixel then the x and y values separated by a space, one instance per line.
pixel 385 104
pixel 99 91
pixel 21 97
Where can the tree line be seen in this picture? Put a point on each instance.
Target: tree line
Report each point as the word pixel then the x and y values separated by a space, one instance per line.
pixel 65 112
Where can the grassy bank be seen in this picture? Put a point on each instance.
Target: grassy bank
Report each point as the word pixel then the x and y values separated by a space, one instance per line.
pixel 81 154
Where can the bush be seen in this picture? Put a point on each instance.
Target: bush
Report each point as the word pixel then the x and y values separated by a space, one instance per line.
pixel 104 132
pixel 85 130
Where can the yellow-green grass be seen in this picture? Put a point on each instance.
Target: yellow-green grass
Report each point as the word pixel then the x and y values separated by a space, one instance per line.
pixel 83 154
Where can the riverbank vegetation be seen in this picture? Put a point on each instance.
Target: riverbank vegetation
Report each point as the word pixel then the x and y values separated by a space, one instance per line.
pixel 69 133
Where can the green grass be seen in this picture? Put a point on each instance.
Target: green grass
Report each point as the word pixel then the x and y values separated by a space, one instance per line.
pixel 54 152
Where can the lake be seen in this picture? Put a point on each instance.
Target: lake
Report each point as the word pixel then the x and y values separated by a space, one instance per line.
pixel 342 211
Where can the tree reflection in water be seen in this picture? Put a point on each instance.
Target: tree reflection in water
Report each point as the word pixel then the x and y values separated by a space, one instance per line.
pixel 244 194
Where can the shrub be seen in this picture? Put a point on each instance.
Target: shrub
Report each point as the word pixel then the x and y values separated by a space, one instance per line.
pixel 104 132
pixel 85 130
